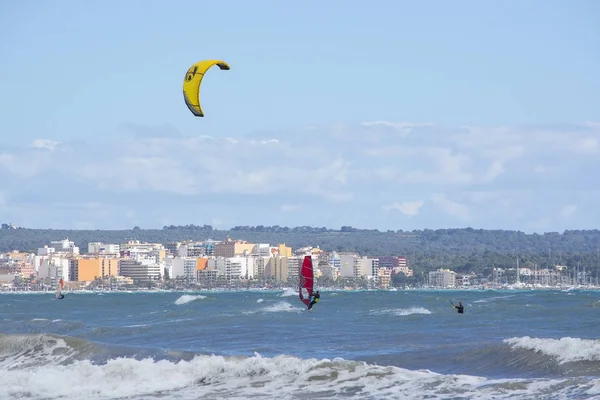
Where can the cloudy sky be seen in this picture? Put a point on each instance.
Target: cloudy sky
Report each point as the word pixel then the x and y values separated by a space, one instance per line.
pixel 388 115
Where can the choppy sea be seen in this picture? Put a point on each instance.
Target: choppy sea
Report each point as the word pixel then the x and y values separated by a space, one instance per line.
pixel 264 345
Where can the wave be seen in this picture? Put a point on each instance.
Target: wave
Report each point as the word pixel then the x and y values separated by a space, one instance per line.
pixel 23 351
pixel 514 357
pixel 281 306
pixel 45 360
pixel 400 311
pixel 187 298
pixel 564 350
pixel 288 292
pixel 494 298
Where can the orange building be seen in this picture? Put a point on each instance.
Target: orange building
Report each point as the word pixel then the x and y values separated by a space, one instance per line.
pixel 201 263
pixel 88 269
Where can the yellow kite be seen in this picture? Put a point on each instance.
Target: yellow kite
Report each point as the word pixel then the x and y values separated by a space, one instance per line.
pixel 192 81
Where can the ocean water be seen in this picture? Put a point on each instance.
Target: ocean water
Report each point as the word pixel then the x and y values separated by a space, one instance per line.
pixel 264 345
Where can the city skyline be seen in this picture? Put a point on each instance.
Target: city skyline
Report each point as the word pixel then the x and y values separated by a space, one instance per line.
pixel 234 261
pixel 207 262
pixel 394 116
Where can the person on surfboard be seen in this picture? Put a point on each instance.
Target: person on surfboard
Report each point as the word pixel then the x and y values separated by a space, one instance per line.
pixel 315 299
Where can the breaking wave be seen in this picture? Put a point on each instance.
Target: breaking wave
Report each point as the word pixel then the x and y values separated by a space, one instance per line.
pixel 187 298
pixel 564 350
pixel 282 306
pixel 32 365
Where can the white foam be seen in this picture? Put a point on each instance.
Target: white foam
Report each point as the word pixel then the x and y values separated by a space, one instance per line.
pixel 400 311
pixel 186 298
pixel 288 292
pixel 282 306
pixel 259 300
pixel 566 349
pixel 493 298
pixel 266 378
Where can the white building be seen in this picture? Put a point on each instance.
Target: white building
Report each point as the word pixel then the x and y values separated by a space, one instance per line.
pixel 260 266
pixel 142 269
pixel 45 251
pixel 183 267
pixel 442 278
pixel 347 262
pixel 293 265
pixel 102 248
pixel 233 268
pixel 246 266
pixel 365 267
pixel 262 250
pixel 192 249
pixel 54 268
pixel 64 246
pixel 217 264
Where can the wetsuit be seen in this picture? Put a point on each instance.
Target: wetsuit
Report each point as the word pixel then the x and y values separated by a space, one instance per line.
pixel 314 301
pixel 460 309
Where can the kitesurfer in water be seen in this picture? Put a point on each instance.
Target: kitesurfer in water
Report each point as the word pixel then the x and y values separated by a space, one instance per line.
pixel 60 296
pixel 459 308
pixel 315 299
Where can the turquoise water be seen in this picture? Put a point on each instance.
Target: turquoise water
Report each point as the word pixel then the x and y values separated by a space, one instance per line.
pixel 263 344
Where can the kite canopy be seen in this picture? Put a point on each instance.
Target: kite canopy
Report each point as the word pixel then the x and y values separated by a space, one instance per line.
pixel 192 81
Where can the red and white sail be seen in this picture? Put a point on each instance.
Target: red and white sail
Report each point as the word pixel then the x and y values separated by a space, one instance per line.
pixel 306 280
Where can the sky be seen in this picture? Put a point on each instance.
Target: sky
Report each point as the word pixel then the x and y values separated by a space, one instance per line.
pixel 386 114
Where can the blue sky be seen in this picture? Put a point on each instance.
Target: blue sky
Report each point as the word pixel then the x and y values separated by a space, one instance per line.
pixel 383 114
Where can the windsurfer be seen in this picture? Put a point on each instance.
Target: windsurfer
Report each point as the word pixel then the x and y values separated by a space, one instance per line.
pixel 315 299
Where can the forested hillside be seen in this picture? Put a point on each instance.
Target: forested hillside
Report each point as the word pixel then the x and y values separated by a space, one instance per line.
pixel 461 249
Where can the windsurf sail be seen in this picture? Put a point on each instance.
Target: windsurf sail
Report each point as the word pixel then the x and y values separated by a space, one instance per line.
pixel 306 280
pixel 61 285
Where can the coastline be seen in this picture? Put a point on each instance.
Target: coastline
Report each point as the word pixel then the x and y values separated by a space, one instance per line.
pixel 293 290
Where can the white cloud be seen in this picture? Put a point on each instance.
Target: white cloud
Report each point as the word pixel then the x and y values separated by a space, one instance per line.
pixel 452 208
pixel 587 145
pixel 270 141
pixel 290 207
pixel 402 128
pixel 44 144
pixel 339 197
pixel 499 177
pixel 568 211
pixel 409 208
pixel 448 168
pixel 493 171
